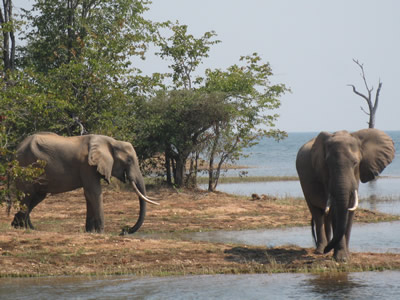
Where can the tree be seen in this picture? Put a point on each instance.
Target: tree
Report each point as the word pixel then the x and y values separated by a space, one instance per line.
pixel 187 53
pixel 174 123
pixel 185 111
pixel 82 51
pixel 249 97
pixel 372 104
pixel 238 101
pixel 62 31
pixel 7 24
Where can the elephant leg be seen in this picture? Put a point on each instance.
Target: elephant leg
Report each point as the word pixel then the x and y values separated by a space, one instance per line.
pixel 340 251
pixel 22 218
pixel 348 229
pixel 328 226
pixel 94 208
pixel 94 219
pixel 318 216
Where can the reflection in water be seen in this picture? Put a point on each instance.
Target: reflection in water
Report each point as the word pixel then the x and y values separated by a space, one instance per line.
pixel 372 201
pixel 333 285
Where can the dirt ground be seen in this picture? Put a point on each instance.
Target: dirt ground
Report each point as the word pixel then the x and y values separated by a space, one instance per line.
pixel 59 245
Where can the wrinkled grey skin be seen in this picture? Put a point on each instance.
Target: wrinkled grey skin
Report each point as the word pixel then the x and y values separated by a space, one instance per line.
pixel 74 162
pixel 332 165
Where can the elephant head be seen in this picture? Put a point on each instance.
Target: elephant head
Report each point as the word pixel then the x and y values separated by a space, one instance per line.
pixel 330 168
pixel 118 159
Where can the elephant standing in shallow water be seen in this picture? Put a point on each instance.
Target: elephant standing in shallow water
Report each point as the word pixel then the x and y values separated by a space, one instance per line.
pixel 330 168
pixel 74 162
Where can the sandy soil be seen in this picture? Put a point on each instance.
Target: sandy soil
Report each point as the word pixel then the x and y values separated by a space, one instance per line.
pixel 59 245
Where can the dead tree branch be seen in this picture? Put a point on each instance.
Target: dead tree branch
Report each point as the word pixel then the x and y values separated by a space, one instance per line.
pixel 372 105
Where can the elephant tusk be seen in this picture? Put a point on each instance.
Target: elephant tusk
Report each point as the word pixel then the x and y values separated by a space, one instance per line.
pixel 142 196
pixel 328 205
pixel 355 201
pixel 152 198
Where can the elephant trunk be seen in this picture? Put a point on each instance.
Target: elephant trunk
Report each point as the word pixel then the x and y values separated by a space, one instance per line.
pixel 140 220
pixel 341 217
pixel 140 189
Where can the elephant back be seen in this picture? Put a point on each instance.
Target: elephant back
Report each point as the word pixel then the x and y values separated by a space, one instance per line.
pixel 28 151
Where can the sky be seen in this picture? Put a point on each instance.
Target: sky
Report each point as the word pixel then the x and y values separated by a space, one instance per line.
pixel 310 45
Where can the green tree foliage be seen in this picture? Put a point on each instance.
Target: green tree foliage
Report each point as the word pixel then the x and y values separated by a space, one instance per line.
pixel 174 123
pixel 11 172
pixel 182 114
pixel 82 50
pixel 186 53
pixel 248 91
pixel 93 30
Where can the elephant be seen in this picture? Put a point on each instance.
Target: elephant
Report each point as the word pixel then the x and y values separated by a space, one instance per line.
pixel 330 168
pixel 75 162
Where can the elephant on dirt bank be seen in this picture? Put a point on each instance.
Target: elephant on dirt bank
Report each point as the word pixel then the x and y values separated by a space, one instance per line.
pixel 74 162
pixel 330 168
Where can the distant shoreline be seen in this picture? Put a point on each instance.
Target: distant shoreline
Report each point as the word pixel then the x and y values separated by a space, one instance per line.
pixel 236 179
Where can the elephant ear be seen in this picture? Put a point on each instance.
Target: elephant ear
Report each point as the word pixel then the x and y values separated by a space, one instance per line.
pixel 100 156
pixel 318 155
pixel 377 150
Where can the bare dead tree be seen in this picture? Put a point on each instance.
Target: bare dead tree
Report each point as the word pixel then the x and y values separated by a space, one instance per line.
pixel 8 47
pixel 372 105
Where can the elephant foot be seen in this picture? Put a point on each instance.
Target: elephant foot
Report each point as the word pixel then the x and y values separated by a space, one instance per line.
pixel 94 226
pixel 341 255
pixel 320 249
pixel 22 220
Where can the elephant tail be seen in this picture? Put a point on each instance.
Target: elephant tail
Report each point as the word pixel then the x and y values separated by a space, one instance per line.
pixel 313 231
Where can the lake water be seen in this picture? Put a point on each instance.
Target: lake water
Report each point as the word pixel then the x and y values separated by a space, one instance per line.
pixel 379 238
pixel 365 285
pixel 271 158
pixel 267 158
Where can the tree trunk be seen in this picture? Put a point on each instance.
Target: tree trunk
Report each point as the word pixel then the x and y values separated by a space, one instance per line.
pixel 173 165
pixel 8 50
pixel 371 123
pixel 211 186
pixel 191 180
pixel 211 176
pixel 168 167
pixel 180 172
